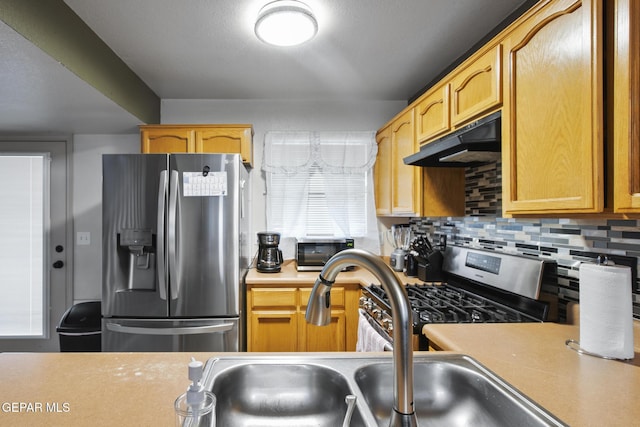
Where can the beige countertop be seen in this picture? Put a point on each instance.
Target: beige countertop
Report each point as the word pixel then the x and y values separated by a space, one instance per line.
pixel 290 276
pixel 581 390
pixel 92 389
pixel 122 389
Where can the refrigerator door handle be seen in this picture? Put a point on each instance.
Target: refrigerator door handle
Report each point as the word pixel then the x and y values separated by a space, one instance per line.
pixel 160 263
pixel 174 270
pixel 188 330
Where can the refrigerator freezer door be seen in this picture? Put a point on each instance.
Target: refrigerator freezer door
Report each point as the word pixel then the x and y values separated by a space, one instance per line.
pixel 133 267
pixel 124 335
pixel 203 235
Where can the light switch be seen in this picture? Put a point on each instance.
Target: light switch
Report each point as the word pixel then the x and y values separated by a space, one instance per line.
pixel 83 238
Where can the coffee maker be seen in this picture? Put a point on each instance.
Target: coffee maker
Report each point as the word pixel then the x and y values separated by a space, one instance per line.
pixel 269 256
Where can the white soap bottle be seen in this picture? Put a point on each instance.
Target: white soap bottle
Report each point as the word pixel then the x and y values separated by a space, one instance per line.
pixel 196 407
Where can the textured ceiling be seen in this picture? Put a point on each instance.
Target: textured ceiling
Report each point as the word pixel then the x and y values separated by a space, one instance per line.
pixel 206 49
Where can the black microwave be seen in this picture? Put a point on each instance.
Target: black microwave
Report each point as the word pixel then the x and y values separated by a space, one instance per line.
pixel 313 254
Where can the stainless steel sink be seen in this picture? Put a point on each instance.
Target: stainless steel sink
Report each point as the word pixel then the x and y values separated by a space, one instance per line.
pixel 281 394
pixel 309 390
pixel 452 393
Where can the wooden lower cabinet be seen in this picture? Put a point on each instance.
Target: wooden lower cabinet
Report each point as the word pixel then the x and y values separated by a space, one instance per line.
pixel 276 320
pixel 273 319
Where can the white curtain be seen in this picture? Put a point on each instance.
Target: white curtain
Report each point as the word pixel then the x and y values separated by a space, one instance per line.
pixel 320 184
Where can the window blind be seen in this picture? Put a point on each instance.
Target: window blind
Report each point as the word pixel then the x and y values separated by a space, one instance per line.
pixel 320 184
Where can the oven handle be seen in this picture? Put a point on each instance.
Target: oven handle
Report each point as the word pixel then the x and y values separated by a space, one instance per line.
pixel 388 346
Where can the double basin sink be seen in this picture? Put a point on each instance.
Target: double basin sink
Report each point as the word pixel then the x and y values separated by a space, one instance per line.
pixel 310 390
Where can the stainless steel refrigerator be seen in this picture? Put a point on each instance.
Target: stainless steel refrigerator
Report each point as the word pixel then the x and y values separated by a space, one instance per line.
pixel 175 251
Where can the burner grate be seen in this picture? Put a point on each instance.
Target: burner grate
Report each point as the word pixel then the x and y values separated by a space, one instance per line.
pixel 441 303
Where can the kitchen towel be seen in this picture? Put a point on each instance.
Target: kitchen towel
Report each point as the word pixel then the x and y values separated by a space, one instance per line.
pixel 606 314
pixel 368 338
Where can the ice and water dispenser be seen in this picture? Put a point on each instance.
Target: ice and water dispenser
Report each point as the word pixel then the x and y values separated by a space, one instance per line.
pixel 136 250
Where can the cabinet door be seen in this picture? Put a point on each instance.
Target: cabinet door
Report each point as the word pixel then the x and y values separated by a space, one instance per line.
pixel 552 121
pixel 432 114
pixel 324 338
pixel 273 319
pixel 406 181
pixel 382 172
pixel 165 139
pixel 225 140
pixel 476 89
pixel 626 105
pixel 273 330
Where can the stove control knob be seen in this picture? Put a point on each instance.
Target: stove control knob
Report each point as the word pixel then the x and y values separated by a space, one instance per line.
pixel 387 325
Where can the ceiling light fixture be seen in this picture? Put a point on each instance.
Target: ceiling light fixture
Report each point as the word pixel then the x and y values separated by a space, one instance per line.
pixel 286 23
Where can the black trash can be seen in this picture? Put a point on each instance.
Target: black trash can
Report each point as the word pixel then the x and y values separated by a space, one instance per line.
pixel 80 328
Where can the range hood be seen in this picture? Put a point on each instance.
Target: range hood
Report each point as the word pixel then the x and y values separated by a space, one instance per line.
pixel 476 143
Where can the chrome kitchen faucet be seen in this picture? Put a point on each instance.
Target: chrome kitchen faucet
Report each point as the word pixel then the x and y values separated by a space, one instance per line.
pixel 319 313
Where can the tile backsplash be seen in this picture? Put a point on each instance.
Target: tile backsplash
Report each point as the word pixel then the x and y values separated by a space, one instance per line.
pixel 569 242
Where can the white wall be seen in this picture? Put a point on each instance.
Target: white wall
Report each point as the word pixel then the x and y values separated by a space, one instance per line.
pixel 87 206
pixel 264 115
pixel 269 115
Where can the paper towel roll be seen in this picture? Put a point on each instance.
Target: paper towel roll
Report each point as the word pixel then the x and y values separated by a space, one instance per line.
pixel 606 313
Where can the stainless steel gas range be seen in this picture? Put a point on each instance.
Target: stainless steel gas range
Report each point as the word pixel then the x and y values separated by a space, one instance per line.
pixel 481 286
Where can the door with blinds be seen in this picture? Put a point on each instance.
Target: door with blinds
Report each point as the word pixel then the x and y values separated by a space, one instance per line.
pixel 34 268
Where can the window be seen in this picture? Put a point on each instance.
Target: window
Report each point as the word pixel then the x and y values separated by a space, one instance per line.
pixel 320 184
pixel 23 222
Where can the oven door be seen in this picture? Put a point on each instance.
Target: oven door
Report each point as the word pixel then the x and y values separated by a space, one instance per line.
pixel 371 337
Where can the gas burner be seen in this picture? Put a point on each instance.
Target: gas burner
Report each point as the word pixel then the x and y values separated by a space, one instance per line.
pixel 443 303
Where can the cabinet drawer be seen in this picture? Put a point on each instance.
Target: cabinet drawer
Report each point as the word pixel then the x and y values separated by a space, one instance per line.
pixel 273 298
pixel 337 297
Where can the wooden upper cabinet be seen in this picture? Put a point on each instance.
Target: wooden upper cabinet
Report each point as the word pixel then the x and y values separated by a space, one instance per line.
pixel 382 172
pixel 552 121
pixel 432 113
pixel 469 92
pixel 226 140
pixel 406 181
pixel 198 139
pixel 159 139
pixel 625 117
pixel 476 89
